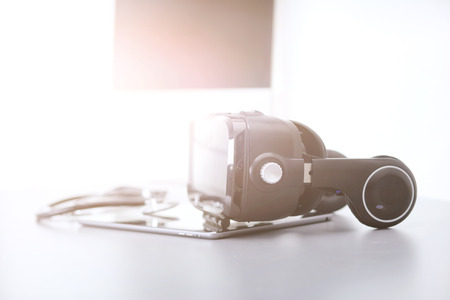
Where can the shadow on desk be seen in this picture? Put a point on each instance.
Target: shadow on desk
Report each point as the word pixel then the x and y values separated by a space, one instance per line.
pixel 337 259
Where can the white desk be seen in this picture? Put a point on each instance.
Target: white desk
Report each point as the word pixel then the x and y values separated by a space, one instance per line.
pixel 341 259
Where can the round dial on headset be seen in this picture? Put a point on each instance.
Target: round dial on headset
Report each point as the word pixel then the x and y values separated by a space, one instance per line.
pixel 271 172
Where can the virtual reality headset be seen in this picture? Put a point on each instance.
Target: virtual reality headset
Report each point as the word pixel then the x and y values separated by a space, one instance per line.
pixel 253 167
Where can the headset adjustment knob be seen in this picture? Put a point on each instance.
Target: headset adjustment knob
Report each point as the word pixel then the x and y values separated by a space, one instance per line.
pixel 271 172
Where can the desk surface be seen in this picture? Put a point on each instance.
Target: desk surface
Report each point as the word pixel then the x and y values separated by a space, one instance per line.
pixel 331 260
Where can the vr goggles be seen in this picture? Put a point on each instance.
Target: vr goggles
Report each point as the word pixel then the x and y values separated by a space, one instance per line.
pixel 254 167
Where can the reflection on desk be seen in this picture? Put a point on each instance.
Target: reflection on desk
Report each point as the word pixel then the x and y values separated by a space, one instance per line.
pixel 337 259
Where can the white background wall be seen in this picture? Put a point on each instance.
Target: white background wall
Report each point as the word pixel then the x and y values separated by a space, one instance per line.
pixel 63 127
pixel 370 77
